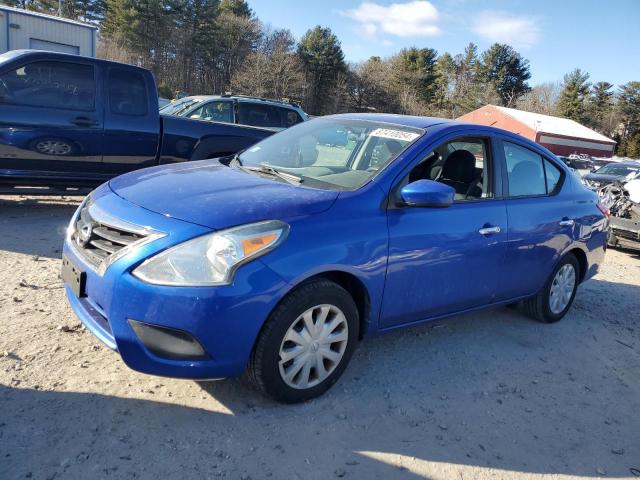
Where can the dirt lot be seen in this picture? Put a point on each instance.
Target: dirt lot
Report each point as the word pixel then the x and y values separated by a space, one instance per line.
pixel 486 395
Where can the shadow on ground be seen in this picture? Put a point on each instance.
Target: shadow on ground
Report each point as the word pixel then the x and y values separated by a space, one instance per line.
pixel 484 395
pixel 35 226
pixel 479 396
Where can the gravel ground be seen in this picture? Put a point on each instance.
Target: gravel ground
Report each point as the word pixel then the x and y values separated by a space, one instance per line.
pixel 484 395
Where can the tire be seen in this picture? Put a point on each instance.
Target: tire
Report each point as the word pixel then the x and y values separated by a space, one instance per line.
pixel 269 374
pixel 541 306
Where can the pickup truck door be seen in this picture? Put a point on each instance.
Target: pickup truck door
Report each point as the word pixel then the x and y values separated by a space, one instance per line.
pixel 131 120
pixel 50 119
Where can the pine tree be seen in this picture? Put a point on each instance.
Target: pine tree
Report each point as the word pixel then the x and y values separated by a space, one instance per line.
pixel 445 81
pixel 504 70
pixel 600 107
pixel 117 23
pixel 629 110
pixel 572 102
pixel 467 90
pixel 239 8
pixel 323 60
pixel 416 68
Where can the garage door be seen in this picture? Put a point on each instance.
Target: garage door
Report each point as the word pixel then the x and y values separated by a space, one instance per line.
pixel 37 44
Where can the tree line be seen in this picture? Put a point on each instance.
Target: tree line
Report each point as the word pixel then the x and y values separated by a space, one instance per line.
pixel 215 46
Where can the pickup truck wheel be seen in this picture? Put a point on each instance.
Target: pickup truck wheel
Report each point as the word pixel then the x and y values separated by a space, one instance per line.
pixel 556 297
pixel 52 146
pixel 306 343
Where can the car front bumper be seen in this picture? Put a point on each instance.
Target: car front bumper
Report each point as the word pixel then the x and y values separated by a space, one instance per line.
pixel 224 320
pixel 625 233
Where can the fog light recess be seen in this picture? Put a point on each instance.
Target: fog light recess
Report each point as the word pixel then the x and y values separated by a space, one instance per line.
pixel 168 343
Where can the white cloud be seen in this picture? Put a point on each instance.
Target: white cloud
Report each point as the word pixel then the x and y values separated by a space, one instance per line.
pixel 411 19
pixel 503 27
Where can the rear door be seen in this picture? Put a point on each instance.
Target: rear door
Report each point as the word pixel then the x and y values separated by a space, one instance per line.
pixel 259 115
pixel 540 221
pixel 50 119
pixel 131 121
pixel 445 260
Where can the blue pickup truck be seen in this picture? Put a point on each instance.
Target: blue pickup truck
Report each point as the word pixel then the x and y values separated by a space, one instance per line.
pixel 69 122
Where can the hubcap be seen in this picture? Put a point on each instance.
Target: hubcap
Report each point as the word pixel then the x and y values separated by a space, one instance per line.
pixel 562 288
pixel 53 147
pixel 313 346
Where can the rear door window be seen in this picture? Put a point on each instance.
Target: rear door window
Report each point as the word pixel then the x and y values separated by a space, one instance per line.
pixel 127 92
pixel 529 174
pixel 259 115
pixel 51 84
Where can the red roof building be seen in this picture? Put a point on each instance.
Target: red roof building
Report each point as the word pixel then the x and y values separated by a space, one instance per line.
pixel 560 135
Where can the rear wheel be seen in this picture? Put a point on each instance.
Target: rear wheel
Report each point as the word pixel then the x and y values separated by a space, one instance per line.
pixel 306 344
pixel 556 297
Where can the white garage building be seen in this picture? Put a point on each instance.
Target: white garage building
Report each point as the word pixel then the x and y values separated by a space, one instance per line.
pixel 24 29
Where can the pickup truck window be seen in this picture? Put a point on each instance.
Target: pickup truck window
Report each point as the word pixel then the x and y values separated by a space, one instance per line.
pixel 127 92
pixel 52 84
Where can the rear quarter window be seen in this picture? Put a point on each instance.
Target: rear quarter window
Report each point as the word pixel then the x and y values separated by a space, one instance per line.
pixel 290 117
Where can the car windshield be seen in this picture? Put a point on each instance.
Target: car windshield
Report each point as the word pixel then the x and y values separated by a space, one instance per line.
pixel 620 170
pixel 179 106
pixel 332 152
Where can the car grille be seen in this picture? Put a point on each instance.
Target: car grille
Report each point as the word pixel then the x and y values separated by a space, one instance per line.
pixel 99 242
pixel 626 234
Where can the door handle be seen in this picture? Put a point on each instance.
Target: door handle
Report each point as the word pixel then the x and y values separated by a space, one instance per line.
pixel 84 122
pixel 567 222
pixel 489 230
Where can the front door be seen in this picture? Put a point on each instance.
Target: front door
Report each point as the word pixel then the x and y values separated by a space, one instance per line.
pixel 451 259
pixel 50 119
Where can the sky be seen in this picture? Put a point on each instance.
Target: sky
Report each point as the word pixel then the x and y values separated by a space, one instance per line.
pixel 556 36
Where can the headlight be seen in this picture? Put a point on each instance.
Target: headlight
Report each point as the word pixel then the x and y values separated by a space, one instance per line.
pixel 212 259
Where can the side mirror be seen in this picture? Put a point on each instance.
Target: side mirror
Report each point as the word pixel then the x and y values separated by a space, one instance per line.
pixel 427 193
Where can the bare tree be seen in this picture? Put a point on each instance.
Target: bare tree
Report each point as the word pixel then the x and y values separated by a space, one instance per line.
pixel 542 98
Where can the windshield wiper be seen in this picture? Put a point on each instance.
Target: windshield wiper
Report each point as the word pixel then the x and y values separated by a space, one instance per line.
pixel 269 170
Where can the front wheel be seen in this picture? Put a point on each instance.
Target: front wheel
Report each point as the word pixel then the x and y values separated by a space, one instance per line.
pixel 306 343
pixel 556 297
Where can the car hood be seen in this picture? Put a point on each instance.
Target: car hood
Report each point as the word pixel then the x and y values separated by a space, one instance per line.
pixel 602 177
pixel 216 196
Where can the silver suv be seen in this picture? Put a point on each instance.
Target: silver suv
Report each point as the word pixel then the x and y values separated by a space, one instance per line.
pixel 253 111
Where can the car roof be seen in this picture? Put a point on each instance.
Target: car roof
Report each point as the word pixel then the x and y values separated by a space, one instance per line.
pixel 405 120
pixel 268 101
pixel 46 55
pixel 626 163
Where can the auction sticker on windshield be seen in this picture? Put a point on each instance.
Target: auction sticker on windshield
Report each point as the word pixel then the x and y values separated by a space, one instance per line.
pixel 395 134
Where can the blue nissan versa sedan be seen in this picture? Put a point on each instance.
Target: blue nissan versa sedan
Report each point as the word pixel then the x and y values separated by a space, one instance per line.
pixel 279 260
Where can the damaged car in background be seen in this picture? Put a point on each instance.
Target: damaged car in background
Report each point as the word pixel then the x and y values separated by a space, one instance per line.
pixel 611 173
pixel 622 198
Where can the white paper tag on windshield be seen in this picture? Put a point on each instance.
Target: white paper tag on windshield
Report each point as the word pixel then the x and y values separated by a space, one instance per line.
pixel 395 134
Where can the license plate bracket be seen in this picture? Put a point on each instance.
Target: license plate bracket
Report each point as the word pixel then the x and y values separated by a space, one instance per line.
pixel 73 277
